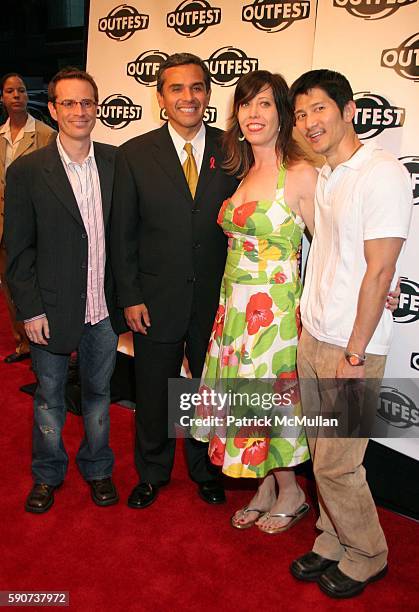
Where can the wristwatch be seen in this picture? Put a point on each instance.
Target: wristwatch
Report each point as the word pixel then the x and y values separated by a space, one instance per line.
pixel 355 359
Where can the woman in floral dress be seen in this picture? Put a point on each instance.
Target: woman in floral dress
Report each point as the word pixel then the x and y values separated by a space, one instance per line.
pixel 257 324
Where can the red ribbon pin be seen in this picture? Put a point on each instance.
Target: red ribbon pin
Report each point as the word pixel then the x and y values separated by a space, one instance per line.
pixel 212 163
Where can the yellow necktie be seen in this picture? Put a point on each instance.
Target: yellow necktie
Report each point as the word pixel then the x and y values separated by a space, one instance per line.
pixel 190 169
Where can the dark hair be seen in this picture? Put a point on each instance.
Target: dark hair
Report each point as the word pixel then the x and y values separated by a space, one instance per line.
pixel 7 76
pixel 182 59
pixel 70 72
pixel 239 155
pixel 333 83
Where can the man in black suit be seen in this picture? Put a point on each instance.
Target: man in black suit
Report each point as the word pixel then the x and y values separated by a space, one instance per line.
pixel 57 208
pixel 168 257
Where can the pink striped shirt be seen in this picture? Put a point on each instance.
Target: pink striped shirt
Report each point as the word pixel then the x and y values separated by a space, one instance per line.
pixel 84 180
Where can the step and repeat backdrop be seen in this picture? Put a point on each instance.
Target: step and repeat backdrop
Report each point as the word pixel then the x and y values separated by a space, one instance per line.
pixel 375 43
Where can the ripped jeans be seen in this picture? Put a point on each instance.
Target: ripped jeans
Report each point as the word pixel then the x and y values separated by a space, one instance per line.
pixel 97 354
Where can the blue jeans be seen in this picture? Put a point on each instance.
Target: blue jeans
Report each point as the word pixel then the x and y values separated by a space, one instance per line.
pixel 97 355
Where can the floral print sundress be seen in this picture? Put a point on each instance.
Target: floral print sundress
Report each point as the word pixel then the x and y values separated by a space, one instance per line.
pixel 256 329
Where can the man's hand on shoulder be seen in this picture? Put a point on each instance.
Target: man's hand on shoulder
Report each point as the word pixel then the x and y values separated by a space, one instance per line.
pixel 38 330
pixel 137 318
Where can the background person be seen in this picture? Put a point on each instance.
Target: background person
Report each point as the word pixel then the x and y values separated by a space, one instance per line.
pixel 19 135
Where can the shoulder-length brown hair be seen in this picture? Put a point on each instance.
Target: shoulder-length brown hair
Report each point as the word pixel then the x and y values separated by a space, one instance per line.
pixel 239 155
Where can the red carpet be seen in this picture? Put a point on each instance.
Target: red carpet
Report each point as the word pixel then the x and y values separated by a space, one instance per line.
pixel 180 554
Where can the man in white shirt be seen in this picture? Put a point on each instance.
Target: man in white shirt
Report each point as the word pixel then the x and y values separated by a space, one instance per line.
pixel 168 257
pixel 363 205
pixel 19 135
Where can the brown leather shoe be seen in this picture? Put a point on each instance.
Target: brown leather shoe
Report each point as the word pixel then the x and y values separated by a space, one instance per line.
pixel 311 566
pixel 338 585
pixel 41 498
pixel 103 492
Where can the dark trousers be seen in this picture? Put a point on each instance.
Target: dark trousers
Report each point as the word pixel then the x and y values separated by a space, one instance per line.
pixel 155 362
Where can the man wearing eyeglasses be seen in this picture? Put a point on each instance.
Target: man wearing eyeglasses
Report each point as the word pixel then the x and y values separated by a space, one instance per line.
pixel 56 224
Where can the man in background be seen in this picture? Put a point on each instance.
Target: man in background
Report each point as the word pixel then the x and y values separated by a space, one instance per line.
pixel 19 135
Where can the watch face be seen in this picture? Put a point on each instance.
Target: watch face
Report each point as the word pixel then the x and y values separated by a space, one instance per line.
pixel 353 360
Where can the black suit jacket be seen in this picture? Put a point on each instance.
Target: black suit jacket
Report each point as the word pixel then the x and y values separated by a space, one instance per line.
pixel 47 245
pixel 167 250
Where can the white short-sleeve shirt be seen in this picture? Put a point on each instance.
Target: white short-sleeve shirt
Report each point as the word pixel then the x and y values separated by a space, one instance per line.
pixel 367 197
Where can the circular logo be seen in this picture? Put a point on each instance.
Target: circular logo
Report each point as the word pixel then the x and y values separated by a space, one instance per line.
pixel 192 17
pixel 374 114
pixel 145 68
pixel 368 9
pixel 405 59
pixel 122 22
pixel 117 111
pixel 397 408
pixel 411 163
pixel 414 361
pixel 408 310
pixel 226 65
pixel 275 15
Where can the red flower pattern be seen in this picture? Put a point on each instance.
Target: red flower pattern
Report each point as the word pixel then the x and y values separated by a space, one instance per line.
pixel 258 312
pixel 248 246
pixel 221 212
pixel 243 212
pixel 204 408
pixel 280 278
pixel 287 382
pixel 219 322
pixel 216 450
pixel 255 443
pixel 298 321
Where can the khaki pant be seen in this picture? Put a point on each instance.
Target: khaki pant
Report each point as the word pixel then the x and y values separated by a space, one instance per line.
pixel 21 340
pixel 348 521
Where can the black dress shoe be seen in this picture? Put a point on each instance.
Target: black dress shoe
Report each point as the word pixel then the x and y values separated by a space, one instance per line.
pixel 311 566
pixel 15 357
pixel 212 492
pixel 338 585
pixel 143 495
pixel 103 492
pixel 41 498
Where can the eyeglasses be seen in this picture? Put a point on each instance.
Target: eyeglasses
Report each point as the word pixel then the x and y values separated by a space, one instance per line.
pixel 85 104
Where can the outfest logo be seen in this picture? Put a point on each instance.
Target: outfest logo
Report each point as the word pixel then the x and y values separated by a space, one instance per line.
pixel 397 408
pixel 411 163
pixel 117 111
pixel 374 114
pixel 226 65
pixel 122 22
pixel 145 68
pixel 372 9
pixel 404 59
pixel 210 115
pixel 408 309
pixel 192 17
pixel 275 15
